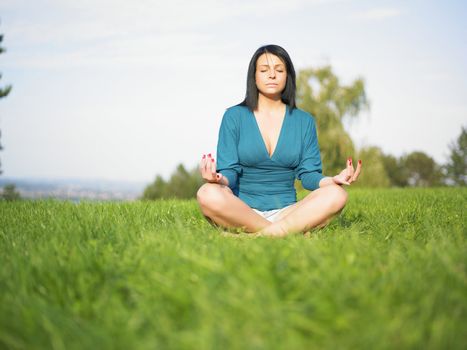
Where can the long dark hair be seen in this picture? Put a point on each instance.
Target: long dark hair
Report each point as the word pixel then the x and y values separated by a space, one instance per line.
pixel 288 94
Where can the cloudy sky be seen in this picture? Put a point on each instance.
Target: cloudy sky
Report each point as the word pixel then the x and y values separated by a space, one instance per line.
pixel 125 90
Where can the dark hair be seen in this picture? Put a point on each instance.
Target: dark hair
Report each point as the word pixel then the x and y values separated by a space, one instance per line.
pixel 288 94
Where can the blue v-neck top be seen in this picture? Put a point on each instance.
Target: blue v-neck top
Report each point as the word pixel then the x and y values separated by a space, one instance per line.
pixel 267 182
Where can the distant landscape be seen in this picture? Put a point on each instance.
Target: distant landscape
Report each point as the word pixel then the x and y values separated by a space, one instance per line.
pixel 75 189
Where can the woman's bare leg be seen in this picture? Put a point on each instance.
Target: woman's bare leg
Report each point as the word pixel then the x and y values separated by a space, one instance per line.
pixel 315 210
pixel 221 206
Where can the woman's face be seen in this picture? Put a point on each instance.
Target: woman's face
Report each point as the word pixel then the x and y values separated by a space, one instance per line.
pixel 271 75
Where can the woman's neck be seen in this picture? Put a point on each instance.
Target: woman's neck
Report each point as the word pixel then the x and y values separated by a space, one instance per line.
pixel 269 104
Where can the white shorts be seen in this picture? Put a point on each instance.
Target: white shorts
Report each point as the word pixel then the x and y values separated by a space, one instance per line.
pixel 272 214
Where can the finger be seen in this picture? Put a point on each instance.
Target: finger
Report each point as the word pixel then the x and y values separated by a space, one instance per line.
pixel 207 167
pixel 350 167
pixel 357 171
pixel 344 183
pixel 208 163
pixel 345 175
pixel 213 168
pixel 341 180
pixel 203 165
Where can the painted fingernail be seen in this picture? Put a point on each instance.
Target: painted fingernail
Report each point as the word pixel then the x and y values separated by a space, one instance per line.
pixel 218 176
pixel 204 156
pixel 209 154
pixel 359 161
pixel 212 159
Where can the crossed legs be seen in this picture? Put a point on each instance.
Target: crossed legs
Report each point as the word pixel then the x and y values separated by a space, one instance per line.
pixel 221 207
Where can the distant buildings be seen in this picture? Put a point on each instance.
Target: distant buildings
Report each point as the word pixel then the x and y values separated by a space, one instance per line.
pixel 76 190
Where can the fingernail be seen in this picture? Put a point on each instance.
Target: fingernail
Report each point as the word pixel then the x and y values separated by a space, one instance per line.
pixel 359 161
pixel 212 159
pixel 218 176
pixel 204 156
pixel 209 154
pixel 350 161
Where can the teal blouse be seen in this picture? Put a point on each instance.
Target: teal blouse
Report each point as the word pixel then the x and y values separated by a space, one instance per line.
pixel 261 181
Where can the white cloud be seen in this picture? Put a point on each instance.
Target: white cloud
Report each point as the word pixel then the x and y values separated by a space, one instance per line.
pixel 70 34
pixel 66 21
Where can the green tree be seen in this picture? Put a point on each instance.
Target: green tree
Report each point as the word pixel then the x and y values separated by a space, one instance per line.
pixel 9 193
pixel 156 190
pixel 3 93
pixel 374 173
pixel 320 93
pixel 182 184
pixel 422 170
pixel 456 168
pixel 395 170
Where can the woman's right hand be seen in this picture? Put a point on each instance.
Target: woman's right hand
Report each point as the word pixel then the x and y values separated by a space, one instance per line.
pixel 208 170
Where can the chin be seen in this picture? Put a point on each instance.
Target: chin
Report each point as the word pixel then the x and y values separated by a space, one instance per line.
pixel 276 90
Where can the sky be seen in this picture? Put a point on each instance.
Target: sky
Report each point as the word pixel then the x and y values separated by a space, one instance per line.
pixel 127 90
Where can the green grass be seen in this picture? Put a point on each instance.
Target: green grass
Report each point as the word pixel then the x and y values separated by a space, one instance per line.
pixel 389 273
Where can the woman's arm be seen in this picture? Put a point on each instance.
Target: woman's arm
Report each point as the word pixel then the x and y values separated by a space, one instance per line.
pixel 228 165
pixel 309 171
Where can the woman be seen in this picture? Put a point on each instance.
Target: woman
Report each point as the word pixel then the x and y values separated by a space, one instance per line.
pixel 264 144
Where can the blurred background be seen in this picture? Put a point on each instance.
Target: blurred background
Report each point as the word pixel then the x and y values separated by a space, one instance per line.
pixel 115 100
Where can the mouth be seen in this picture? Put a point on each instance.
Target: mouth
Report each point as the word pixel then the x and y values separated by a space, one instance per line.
pixel 271 84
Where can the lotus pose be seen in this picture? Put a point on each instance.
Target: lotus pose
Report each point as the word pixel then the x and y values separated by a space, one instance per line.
pixel 264 144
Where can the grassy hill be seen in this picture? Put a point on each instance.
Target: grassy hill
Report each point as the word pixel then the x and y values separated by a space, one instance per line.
pixel 389 273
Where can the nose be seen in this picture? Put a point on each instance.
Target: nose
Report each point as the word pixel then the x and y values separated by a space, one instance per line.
pixel 272 73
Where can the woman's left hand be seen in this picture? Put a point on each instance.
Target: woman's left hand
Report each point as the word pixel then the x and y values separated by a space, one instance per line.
pixel 348 175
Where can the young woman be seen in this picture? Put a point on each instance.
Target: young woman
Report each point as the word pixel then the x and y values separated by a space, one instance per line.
pixel 264 144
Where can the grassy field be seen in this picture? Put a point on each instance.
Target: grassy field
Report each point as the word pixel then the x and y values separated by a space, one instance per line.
pixel 389 273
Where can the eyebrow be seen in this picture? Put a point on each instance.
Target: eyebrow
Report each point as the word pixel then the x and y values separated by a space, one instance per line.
pixel 266 65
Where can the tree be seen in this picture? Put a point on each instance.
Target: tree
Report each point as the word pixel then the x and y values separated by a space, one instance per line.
pixel 422 170
pixel 456 168
pixel 320 93
pixel 395 170
pixel 155 190
pixel 374 174
pixel 182 184
pixel 9 193
pixel 1 148
pixel 3 93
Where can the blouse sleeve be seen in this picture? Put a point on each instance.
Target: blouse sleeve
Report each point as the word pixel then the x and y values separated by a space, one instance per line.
pixel 309 169
pixel 227 151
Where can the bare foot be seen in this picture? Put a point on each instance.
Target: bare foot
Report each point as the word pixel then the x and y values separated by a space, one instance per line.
pixel 273 230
